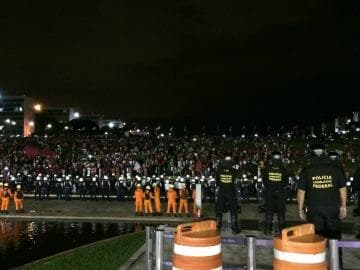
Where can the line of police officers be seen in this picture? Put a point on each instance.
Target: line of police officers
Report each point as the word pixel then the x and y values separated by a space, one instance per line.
pixel 321 192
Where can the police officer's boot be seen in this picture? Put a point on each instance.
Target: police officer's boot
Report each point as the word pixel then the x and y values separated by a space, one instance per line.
pixel 219 222
pixel 234 224
pixel 341 262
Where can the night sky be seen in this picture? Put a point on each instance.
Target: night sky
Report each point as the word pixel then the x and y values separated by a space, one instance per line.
pixel 205 61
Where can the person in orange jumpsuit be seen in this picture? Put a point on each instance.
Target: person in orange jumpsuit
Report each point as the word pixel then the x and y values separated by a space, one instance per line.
pixel 139 197
pixel 19 200
pixel 1 190
pixel 171 196
pixel 6 195
pixel 196 210
pixel 157 199
pixel 147 200
pixel 184 194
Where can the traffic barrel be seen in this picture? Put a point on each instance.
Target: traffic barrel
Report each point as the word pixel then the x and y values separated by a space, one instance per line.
pixel 197 246
pixel 299 248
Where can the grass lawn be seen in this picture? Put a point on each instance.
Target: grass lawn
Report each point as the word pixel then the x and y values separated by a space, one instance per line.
pixel 107 254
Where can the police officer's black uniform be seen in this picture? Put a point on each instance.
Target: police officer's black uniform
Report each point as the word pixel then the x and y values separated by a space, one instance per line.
pixel 227 194
pixel 321 181
pixel 356 186
pixel 275 180
pixel 356 189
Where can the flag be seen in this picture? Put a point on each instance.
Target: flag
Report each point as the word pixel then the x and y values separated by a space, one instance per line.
pixel 32 151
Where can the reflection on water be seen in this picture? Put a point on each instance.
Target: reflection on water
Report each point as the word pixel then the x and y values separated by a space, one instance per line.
pixel 25 241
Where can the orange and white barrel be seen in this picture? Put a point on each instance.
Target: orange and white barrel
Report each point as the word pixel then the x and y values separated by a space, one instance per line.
pixel 197 246
pixel 299 248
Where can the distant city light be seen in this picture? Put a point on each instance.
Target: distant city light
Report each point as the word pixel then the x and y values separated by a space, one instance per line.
pixel 20 109
pixel 162 135
pixel 8 121
pixel 49 125
pixel 243 136
pixel 357 129
pixel 106 133
pixel 31 123
pixel 111 124
pixel 66 127
pixel 38 107
pixel 76 114
pixel 13 123
pixel 256 135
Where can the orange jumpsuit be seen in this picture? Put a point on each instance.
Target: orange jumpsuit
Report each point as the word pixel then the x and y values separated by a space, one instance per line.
pixel 147 202
pixel 6 195
pixel 19 200
pixel 139 195
pixel 157 200
pixel 171 205
pixel 1 191
pixel 196 210
pixel 184 193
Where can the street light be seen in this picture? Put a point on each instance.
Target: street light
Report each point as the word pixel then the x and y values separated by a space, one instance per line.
pixel 38 107
pixel 7 121
pixel 111 125
pixel 13 123
pixel 49 126
pixel 31 123
pixel 76 114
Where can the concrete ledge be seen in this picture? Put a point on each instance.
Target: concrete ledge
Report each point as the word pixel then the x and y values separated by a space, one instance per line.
pixel 141 219
pixel 134 258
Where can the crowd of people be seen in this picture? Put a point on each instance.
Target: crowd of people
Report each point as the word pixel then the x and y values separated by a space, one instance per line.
pixel 101 167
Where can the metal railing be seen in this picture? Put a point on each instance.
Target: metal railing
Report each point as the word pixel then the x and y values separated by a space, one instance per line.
pixel 250 242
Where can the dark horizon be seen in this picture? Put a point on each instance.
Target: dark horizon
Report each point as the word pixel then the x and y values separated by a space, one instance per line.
pixel 234 62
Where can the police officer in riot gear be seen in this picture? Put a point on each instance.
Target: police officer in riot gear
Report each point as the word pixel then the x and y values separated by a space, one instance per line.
pixel 324 185
pixel 225 179
pixel 275 178
pixel 356 189
pixel 82 189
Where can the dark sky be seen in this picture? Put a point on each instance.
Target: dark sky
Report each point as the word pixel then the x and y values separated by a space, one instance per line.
pixel 223 61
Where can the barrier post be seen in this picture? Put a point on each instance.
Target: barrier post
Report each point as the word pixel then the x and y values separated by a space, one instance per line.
pixel 159 248
pixel 334 254
pixel 227 226
pixel 251 258
pixel 149 247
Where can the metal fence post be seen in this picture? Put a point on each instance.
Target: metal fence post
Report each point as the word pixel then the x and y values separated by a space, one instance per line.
pixel 334 254
pixel 149 247
pixel 228 221
pixel 159 249
pixel 251 258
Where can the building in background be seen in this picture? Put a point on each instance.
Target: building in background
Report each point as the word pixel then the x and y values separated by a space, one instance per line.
pixel 61 115
pixel 111 123
pixel 17 115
